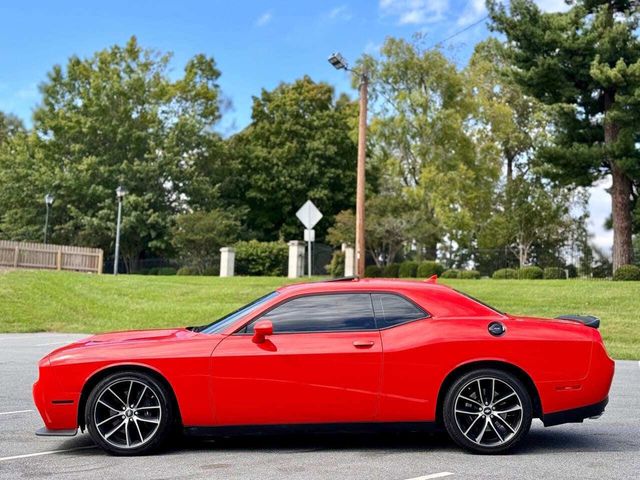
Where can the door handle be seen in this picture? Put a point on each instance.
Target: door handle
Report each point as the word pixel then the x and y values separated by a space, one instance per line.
pixel 363 343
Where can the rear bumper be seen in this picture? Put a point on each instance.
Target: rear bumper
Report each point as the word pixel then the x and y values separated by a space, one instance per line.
pixel 575 415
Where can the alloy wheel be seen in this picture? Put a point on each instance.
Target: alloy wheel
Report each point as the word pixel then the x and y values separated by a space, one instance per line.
pixel 488 411
pixel 127 413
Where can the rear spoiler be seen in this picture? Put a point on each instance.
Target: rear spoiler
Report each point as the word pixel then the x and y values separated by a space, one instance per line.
pixel 588 320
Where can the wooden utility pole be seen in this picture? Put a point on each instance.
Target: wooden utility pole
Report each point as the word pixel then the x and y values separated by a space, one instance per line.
pixel 360 185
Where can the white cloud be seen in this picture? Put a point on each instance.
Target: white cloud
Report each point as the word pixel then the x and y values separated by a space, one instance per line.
pixel 552 5
pixel 473 11
pixel 414 12
pixel 341 12
pixel 264 19
pixel 29 92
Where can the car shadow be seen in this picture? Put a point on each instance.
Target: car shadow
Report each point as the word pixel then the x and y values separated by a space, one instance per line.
pixel 539 441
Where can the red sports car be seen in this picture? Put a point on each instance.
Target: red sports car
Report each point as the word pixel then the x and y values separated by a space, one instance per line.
pixel 351 354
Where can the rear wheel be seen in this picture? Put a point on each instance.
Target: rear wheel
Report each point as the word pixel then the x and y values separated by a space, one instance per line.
pixel 487 411
pixel 129 413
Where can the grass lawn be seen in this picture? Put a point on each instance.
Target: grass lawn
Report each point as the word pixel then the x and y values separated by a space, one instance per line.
pixel 33 301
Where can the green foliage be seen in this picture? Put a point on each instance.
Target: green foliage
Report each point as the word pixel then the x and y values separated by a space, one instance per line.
pixel 429 268
pixel 167 271
pixel 505 273
pixel 336 267
pixel 585 64
pixel 408 269
pixel 261 258
pixel 118 117
pixel 391 270
pixel 469 275
pixel 187 271
pixel 198 236
pixel 372 271
pixel 627 272
pixel 554 273
pixel 530 273
pixel 10 126
pixel 299 145
pixel 451 273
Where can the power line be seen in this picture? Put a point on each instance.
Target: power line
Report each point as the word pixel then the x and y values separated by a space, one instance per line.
pixel 468 27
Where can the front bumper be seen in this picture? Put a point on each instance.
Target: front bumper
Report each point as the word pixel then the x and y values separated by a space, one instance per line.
pixel 575 415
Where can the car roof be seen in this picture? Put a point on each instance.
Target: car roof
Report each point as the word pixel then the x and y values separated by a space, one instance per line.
pixel 353 284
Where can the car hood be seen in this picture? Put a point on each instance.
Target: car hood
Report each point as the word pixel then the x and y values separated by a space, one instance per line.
pixel 135 336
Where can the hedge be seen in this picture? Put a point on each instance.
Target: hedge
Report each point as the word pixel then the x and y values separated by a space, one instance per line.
pixel 408 269
pixel 373 271
pixel 627 272
pixel 470 274
pixel 530 273
pixel 554 273
pixel 268 259
pixel 451 273
pixel 429 268
pixel 391 271
pixel 336 267
pixel 505 273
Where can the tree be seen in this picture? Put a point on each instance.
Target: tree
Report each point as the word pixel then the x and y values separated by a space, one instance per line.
pixel 423 113
pixel 586 64
pixel 298 146
pixel 198 236
pixel 117 118
pixel 10 125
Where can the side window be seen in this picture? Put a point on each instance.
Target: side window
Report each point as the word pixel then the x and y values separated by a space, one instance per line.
pixel 321 313
pixel 393 310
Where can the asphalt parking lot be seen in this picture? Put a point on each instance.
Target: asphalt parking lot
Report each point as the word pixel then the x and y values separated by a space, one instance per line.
pixel 597 449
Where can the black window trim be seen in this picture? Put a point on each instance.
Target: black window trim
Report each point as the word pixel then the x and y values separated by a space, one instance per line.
pixel 377 328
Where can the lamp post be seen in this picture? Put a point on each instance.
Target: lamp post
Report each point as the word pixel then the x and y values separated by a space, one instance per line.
pixel 120 192
pixel 340 63
pixel 48 200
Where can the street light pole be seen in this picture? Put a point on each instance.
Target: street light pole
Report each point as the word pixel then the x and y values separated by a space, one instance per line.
pixel 48 200
pixel 120 195
pixel 338 61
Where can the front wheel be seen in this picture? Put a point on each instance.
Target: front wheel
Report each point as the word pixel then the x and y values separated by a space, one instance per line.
pixel 487 411
pixel 129 413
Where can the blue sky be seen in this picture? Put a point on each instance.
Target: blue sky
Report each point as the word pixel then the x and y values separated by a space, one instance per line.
pixel 256 44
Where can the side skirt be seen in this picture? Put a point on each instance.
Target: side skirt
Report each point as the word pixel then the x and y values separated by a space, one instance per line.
pixel 575 415
pixel 312 428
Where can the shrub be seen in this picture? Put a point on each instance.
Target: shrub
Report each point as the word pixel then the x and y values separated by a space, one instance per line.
pixel 372 271
pixel 166 271
pixel 428 269
pixel 153 271
pixel 408 269
pixel 210 271
pixel 336 267
pixel 187 271
pixel 505 274
pixel 470 275
pixel 530 273
pixel 451 273
pixel 391 271
pixel 142 271
pixel 627 272
pixel 261 258
pixel 554 273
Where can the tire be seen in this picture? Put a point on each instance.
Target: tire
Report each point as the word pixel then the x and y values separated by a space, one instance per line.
pixel 141 426
pixel 503 415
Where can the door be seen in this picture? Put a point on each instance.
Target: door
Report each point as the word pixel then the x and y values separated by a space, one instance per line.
pixel 321 365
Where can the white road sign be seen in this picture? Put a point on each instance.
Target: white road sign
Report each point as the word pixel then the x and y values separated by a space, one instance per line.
pixel 309 214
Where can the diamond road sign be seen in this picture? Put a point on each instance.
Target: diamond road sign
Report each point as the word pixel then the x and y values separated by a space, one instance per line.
pixel 309 214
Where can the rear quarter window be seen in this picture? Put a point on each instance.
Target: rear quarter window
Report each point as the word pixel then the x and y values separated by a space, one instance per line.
pixel 391 310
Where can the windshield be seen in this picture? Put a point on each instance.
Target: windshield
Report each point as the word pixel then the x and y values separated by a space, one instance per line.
pixel 218 325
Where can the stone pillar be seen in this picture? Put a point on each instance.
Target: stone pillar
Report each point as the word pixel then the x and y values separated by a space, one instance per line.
pixel 296 258
pixel 349 261
pixel 227 261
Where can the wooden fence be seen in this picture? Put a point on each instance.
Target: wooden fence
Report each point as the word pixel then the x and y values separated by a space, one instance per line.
pixel 51 257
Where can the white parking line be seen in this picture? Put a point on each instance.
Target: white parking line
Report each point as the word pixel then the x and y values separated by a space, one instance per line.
pixel 433 475
pixel 15 411
pixel 28 455
pixel 52 343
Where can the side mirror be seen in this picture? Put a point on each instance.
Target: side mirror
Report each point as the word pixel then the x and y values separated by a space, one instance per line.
pixel 261 329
